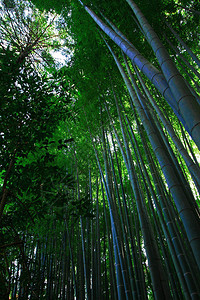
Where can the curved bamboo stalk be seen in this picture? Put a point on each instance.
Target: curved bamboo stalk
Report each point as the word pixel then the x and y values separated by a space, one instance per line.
pixel 193 168
pixel 154 75
pixel 187 104
pixel 184 208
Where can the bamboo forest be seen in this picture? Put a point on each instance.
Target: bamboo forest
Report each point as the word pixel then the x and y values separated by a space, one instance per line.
pixel 99 155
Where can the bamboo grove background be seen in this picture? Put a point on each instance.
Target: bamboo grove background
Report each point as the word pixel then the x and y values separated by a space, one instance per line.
pixel 100 183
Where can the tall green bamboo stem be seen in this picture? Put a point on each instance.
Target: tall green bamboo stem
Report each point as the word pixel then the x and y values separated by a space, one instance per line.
pixel 187 104
pixel 186 212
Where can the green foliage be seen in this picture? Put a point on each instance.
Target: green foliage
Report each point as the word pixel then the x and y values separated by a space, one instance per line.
pixel 63 224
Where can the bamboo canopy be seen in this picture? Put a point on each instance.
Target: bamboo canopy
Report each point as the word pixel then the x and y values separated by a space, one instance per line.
pixel 100 175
